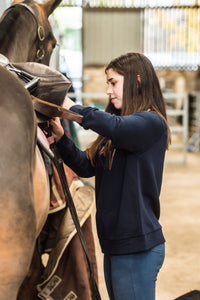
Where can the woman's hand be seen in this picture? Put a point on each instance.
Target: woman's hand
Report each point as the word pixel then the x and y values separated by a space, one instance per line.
pixel 68 103
pixel 57 129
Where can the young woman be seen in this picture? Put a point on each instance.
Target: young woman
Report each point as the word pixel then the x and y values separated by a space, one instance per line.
pixel 127 162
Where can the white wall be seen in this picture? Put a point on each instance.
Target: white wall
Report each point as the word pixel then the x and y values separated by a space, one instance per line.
pixel 108 33
pixel 3 5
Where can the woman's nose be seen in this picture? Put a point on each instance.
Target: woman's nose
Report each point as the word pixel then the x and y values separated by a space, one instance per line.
pixel 109 91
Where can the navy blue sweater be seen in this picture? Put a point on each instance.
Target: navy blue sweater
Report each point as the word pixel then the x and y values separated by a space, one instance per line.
pixel 127 195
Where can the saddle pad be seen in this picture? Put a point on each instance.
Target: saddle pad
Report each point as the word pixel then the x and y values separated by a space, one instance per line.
pixel 3 60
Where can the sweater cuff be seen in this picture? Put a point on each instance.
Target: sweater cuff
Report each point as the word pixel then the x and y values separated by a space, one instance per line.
pixel 77 108
pixel 63 140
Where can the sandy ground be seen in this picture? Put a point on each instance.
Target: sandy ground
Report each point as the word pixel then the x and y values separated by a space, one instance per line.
pixel 180 218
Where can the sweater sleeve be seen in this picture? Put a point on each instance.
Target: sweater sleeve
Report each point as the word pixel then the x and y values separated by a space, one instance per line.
pixel 136 132
pixel 75 158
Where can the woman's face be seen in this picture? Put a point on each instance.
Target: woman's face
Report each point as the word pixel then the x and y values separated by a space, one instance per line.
pixel 115 83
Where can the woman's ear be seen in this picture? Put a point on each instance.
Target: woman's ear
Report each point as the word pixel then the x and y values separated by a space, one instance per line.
pixel 138 80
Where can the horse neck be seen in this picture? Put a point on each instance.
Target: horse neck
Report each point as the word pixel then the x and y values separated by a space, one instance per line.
pixel 18 43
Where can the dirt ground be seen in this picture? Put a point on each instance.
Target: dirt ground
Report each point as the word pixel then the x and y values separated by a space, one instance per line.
pixel 180 219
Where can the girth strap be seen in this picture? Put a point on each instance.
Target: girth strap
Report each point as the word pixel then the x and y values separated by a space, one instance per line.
pixel 58 162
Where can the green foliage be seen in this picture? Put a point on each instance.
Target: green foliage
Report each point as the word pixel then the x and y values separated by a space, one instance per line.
pixel 69 20
pixel 71 39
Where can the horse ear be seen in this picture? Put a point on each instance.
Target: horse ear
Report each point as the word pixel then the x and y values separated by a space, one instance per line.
pixel 16 1
pixel 50 6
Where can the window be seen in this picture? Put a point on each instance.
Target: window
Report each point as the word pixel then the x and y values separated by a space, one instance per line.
pixel 171 37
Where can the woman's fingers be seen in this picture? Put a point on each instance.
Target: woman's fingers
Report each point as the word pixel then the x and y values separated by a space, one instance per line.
pixel 57 129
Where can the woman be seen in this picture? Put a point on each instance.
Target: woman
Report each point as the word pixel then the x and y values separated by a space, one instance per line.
pixel 127 161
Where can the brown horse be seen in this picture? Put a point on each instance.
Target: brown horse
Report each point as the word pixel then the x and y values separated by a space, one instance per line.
pixel 25 35
pixel 25 32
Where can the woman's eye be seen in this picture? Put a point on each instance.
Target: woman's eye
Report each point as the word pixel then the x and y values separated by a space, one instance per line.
pixel 113 83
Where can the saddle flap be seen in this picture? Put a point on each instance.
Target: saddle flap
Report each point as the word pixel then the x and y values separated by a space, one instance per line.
pixel 47 87
pixel 51 110
pixel 52 86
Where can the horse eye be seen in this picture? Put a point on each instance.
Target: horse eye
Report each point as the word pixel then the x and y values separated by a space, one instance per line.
pixel 54 45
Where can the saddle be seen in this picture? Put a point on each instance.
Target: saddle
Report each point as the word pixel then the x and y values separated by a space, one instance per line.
pixel 47 87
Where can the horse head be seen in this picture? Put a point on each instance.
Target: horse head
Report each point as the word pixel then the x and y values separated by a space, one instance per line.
pixel 25 31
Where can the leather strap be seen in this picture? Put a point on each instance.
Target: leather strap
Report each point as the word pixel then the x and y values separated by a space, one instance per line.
pixel 58 162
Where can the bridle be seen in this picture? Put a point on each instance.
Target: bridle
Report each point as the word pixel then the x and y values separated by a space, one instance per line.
pixel 40 31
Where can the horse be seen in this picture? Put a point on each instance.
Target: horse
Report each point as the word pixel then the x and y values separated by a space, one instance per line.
pixel 25 35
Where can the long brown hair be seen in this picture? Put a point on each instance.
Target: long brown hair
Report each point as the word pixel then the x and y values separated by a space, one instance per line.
pixel 138 95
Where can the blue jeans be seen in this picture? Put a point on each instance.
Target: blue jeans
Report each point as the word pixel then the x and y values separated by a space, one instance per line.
pixel 133 276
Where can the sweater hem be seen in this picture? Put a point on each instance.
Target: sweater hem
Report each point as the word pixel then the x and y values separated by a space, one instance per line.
pixel 132 244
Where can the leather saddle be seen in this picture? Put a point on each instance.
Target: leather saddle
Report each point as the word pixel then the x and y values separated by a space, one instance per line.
pixel 47 87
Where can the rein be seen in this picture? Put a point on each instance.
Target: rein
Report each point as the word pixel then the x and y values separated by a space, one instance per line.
pixel 40 31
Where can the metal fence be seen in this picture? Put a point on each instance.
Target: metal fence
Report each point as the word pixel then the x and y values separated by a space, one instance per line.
pixel 171 37
pixel 130 3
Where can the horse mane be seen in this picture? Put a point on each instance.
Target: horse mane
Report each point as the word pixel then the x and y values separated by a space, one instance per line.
pixel 11 17
pixel 7 23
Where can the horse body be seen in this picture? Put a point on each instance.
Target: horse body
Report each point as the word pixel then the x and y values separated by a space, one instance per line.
pixel 16 185
pixel 24 186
